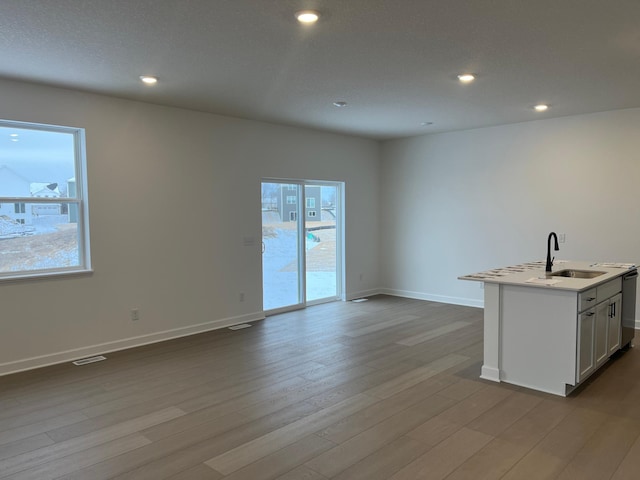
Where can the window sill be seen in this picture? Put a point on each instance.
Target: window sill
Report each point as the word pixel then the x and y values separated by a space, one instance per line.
pixel 25 277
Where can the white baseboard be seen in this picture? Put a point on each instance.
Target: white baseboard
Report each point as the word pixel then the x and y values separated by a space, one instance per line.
pixel 102 348
pixel 490 373
pixel 467 302
pixel 363 293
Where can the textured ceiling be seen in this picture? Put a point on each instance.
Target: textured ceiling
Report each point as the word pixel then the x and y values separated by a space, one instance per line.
pixel 394 61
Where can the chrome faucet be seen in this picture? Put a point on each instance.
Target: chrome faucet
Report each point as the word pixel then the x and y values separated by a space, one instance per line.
pixel 556 248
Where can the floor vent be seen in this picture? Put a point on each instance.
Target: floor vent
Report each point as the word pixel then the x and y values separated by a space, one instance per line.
pixel 358 300
pixel 85 361
pixel 240 326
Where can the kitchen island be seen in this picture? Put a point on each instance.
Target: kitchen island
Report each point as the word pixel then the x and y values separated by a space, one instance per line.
pixel 548 331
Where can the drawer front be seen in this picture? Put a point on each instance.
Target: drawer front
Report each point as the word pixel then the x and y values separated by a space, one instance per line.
pixel 587 299
pixel 608 289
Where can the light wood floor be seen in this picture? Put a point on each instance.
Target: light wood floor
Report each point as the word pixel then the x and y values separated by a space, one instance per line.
pixel 384 389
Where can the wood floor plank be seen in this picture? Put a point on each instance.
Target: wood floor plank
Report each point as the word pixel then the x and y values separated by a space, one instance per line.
pixel 301 473
pixel 532 427
pixel 284 460
pixel 490 462
pixel 445 457
pixel 387 388
pixel 33 458
pixel 357 423
pixel 26 431
pixel 629 467
pixel 176 453
pixel 364 444
pixel 129 412
pixel 505 413
pixel 199 472
pixel 24 445
pixel 415 376
pixel 572 433
pixel 536 465
pixel 78 460
pixel 604 452
pixel 385 462
pixel 390 323
pixel 436 332
pixel 240 456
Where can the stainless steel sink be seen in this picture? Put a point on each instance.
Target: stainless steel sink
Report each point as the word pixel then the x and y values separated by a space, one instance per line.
pixel 577 273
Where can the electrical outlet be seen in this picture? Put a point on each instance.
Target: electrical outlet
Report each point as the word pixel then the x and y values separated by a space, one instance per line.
pixel 562 237
pixel 135 314
pixel 241 296
pixel 361 276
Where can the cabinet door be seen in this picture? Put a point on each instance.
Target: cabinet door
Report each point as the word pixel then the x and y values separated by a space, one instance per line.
pixel 585 353
pixel 602 325
pixel 615 324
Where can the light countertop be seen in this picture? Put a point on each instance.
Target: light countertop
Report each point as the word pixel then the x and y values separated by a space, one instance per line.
pixel 532 274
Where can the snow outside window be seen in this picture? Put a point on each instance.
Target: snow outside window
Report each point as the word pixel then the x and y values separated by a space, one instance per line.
pixel 43 219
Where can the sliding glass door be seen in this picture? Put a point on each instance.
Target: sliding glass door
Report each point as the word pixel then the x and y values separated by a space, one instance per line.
pixel 281 252
pixel 321 241
pixel 301 243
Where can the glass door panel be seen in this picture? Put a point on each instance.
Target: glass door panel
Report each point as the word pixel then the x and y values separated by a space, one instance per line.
pixel 321 241
pixel 281 258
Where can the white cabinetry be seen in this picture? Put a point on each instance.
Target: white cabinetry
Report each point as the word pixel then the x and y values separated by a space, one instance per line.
pixel 586 344
pixel 615 323
pixel 599 327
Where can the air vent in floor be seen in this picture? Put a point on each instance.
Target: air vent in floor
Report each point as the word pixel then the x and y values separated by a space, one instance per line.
pixel 85 361
pixel 240 326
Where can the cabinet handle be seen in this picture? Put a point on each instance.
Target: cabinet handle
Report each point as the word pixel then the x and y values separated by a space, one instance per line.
pixel 590 314
pixel 591 299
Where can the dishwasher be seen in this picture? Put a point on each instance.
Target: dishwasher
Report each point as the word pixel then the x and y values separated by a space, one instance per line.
pixel 629 283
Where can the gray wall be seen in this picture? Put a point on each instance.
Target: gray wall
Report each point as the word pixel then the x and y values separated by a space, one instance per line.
pixel 462 202
pixel 162 236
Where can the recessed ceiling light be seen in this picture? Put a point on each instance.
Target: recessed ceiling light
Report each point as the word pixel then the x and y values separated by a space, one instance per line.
pixel 466 77
pixel 541 107
pixel 148 80
pixel 307 16
pixel 13 134
pixel 340 104
pixel 426 124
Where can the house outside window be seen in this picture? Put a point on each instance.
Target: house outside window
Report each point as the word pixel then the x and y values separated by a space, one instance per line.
pixel 311 213
pixel 43 197
pixel 291 199
pixel 311 202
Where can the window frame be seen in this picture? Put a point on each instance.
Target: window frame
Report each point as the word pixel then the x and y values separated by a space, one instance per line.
pixel 80 200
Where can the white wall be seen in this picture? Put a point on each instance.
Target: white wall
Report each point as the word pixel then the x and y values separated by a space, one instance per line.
pixel 463 202
pixel 172 194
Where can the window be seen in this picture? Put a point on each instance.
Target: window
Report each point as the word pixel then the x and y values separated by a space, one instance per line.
pixel 311 213
pixel 291 199
pixel 311 202
pixel 44 229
